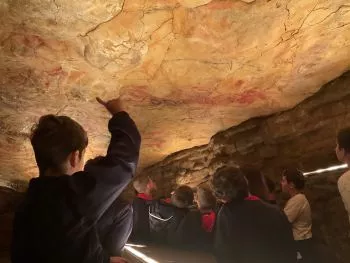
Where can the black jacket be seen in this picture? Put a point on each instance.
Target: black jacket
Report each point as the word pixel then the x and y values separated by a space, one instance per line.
pixel 253 232
pixel 140 232
pixel 190 234
pixel 164 221
pixel 57 221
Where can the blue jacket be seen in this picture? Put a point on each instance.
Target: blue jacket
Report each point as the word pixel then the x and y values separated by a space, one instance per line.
pixel 57 221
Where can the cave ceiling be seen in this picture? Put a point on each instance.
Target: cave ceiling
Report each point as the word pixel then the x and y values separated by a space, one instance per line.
pixel 184 69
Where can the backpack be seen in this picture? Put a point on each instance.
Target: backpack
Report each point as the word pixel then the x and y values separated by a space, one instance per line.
pixel 164 220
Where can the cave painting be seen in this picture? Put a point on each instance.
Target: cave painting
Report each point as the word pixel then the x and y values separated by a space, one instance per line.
pixel 185 69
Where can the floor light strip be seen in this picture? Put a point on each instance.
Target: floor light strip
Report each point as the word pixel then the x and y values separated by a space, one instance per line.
pixel 140 255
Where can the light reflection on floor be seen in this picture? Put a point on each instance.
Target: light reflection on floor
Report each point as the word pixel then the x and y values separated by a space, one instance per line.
pixel 137 253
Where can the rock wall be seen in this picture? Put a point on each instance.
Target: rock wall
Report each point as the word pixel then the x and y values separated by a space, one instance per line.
pixel 330 221
pixel 303 136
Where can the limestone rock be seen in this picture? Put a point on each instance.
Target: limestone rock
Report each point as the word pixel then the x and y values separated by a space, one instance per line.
pixel 184 73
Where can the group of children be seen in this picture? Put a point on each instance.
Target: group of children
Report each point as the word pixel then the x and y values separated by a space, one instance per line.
pixel 235 214
pixel 185 219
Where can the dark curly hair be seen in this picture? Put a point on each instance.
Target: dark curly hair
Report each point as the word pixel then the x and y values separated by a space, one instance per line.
pixel 229 183
pixel 182 197
pixel 53 139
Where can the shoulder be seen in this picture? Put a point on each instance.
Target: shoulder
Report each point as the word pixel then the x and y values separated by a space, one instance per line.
pixel 301 197
pixel 344 179
pixel 297 199
pixel 81 182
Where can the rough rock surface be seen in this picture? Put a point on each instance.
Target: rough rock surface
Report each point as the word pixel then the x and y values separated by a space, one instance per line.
pixel 185 73
pixel 303 137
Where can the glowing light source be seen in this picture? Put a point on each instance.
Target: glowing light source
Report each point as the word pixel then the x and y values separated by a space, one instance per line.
pixel 329 169
pixel 140 255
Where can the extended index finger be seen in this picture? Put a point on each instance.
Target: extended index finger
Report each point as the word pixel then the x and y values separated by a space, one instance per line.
pixel 99 100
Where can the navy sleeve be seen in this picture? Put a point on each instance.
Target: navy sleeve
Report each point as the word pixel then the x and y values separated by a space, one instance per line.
pixel 106 177
pixel 119 233
pixel 125 142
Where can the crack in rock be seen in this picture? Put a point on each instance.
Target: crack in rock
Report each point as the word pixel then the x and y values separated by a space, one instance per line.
pixel 104 22
pixel 331 13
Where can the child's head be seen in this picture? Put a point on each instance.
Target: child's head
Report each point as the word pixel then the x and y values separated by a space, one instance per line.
pixel 59 145
pixel 256 181
pixel 229 184
pixel 292 180
pixel 182 197
pixel 205 198
pixel 144 184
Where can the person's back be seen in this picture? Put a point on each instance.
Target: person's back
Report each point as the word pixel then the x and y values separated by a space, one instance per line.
pixel 197 228
pixel 140 232
pixel 247 229
pixel 57 222
pixel 256 232
pixel 165 218
pixel 42 221
pixel 145 188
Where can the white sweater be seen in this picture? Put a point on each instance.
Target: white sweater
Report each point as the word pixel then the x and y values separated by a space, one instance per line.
pixel 298 212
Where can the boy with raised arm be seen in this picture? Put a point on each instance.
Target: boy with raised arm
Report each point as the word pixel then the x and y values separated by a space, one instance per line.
pixel 57 221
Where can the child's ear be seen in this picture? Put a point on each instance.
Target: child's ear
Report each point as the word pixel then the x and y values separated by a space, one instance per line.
pixel 292 185
pixel 74 159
